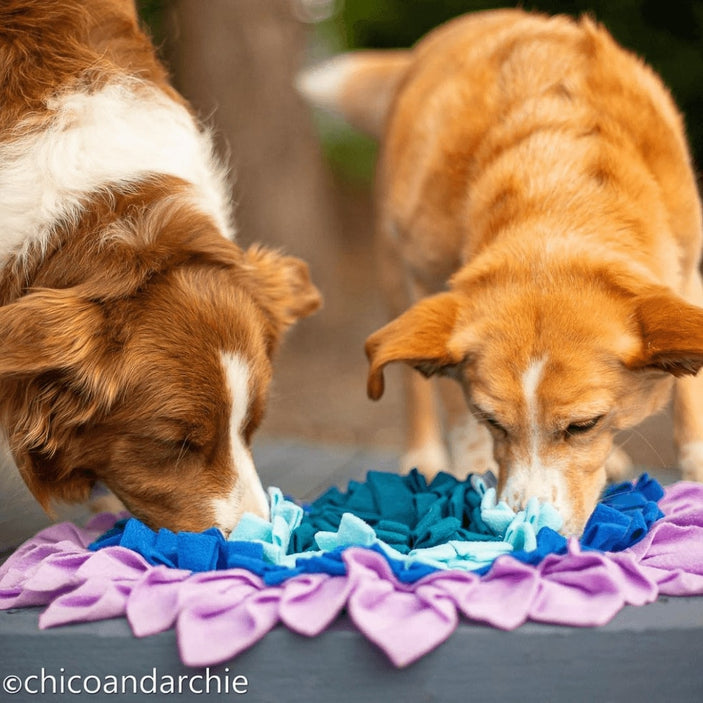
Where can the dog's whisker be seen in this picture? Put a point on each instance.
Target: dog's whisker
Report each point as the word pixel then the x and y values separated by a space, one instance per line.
pixel 622 444
pixel 181 452
pixel 660 458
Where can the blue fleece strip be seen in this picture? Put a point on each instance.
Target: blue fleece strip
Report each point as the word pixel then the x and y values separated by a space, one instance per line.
pixel 418 527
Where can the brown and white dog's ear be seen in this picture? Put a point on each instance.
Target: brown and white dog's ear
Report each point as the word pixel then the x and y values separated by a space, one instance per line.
pixel 672 334
pixel 419 337
pixel 45 335
pixel 52 478
pixel 47 329
pixel 281 285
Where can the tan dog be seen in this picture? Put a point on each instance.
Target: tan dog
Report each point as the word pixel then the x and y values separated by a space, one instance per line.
pixel 541 174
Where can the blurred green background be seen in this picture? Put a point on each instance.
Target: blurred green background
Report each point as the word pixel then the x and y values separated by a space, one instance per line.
pixel 667 34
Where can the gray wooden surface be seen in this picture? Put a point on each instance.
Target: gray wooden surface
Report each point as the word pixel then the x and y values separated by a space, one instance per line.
pixel 305 470
pixel 645 654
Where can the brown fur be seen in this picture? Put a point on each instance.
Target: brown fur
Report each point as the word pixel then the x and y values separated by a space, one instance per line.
pixel 111 337
pixel 47 45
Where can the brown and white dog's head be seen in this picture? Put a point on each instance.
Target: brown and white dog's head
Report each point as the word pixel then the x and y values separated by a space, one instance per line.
pixel 135 337
pixel 146 364
pixel 553 374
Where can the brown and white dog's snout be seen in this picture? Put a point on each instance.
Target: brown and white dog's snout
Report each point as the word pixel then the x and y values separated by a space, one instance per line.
pixel 247 494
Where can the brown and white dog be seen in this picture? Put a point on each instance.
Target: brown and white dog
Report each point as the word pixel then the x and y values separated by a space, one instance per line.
pixel 541 231
pixel 135 336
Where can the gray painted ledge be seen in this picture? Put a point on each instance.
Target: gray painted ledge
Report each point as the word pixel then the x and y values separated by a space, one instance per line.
pixel 644 654
pixel 651 653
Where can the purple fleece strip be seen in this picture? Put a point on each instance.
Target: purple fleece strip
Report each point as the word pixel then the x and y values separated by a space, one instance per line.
pixel 219 614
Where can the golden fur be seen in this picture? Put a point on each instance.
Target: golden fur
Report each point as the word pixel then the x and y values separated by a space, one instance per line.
pixel 540 173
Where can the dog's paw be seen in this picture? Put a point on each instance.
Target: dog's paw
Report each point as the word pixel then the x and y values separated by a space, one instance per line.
pixel 691 461
pixel 618 465
pixel 428 459
pixel 471 447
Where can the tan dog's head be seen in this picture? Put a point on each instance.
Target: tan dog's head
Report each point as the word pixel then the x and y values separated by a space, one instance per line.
pixel 553 370
pixel 151 374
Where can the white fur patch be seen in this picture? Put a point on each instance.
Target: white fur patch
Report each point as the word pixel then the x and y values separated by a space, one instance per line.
pixel 247 492
pixel 531 477
pixel 322 85
pixel 530 383
pixel 535 480
pixel 123 132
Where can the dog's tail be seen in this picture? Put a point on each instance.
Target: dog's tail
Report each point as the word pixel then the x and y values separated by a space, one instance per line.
pixel 358 86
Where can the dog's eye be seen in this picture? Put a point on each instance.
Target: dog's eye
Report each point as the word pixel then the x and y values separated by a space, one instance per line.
pixel 483 416
pixel 577 428
pixel 180 446
pixel 494 423
pixel 490 420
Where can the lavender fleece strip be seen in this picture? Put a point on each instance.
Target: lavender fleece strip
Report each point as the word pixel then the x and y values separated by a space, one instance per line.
pixel 218 614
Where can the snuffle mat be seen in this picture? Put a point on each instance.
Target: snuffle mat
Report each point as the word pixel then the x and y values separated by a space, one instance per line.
pixel 405 559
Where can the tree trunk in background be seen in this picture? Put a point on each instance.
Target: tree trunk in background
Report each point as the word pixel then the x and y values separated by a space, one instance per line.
pixel 236 61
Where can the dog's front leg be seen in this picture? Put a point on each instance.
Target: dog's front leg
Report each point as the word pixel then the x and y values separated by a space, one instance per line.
pixel 688 426
pixel 470 443
pixel 426 450
pixel 688 407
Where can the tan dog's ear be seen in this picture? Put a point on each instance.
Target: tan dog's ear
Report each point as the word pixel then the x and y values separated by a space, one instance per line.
pixel 419 337
pixel 672 334
pixel 281 285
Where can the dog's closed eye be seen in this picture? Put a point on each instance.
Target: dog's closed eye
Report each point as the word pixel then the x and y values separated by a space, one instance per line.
pixel 582 426
pixel 495 424
pixel 490 420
